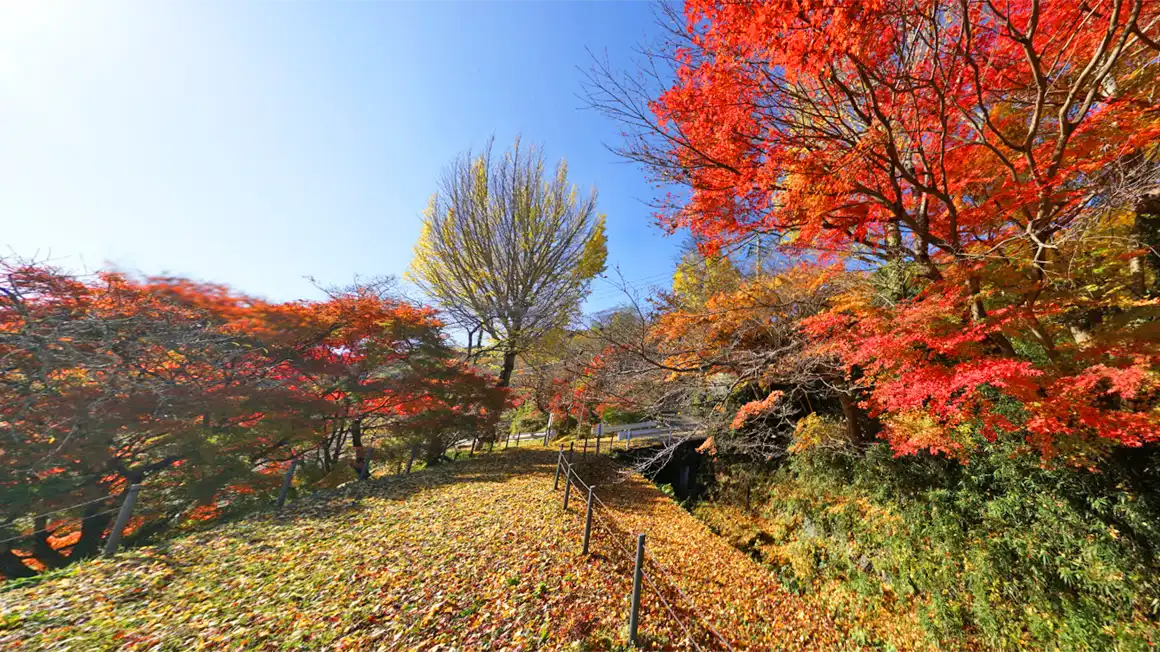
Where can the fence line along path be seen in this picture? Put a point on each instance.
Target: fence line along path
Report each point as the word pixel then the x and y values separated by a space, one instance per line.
pixel 115 532
pixel 724 599
pixel 471 556
pixel 640 575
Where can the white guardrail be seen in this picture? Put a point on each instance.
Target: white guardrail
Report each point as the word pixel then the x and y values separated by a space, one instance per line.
pixel 627 431
pixel 644 429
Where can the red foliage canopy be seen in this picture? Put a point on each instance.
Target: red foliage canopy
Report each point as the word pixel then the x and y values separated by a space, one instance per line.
pixel 985 156
pixel 110 380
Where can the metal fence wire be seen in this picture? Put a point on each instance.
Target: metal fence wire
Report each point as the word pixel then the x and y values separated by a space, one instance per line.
pixel 112 541
pixel 607 520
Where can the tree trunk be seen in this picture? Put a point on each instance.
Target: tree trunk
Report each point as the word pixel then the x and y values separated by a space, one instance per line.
pixel 42 549
pixel 12 567
pixel 434 450
pixel 979 313
pixel 92 532
pixel 852 414
pixel 894 237
pixel 1044 336
pixel 1147 229
pixel 356 433
pixel 1082 326
pixel 895 270
pixel 356 442
pixel 470 344
pixel 334 448
pixel 509 365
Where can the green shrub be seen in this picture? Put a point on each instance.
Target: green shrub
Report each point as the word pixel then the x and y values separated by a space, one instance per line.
pixel 616 417
pixel 1002 549
pixel 526 418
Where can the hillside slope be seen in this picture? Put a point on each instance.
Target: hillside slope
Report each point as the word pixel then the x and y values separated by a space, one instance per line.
pixel 477 555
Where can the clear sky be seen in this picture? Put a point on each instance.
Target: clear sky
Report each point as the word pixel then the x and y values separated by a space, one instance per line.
pixel 255 143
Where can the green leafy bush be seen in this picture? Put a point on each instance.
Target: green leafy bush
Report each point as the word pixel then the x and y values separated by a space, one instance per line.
pixel 1004 551
pixel 615 416
pixel 526 418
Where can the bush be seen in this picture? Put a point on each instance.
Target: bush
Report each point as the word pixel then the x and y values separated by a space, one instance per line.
pixel 615 417
pixel 526 418
pixel 1003 550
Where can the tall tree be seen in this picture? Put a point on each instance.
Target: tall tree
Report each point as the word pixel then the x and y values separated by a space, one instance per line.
pixel 508 250
pixel 990 152
pixel 698 277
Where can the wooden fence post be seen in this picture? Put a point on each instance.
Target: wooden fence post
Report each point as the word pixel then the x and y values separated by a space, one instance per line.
pixel 588 521
pixel 585 453
pixel 365 472
pixel 411 459
pixel 559 465
pixel 599 434
pixel 286 480
pixel 548 430
pixel 122 520
pixel 567 485
pixel 637 577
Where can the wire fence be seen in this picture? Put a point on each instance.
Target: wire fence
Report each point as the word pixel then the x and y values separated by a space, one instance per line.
pixel 658 577
pixel 62 510
pixel 36 532
pixel 616 530
pixel 40 532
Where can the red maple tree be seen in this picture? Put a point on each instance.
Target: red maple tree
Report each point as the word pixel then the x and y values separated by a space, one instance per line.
pixel 992 167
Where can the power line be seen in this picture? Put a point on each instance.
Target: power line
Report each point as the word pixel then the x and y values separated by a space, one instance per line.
pixel 653 277
pixel 626 284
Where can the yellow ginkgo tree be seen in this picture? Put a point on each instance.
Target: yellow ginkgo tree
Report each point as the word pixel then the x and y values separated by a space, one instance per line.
pixel 508 250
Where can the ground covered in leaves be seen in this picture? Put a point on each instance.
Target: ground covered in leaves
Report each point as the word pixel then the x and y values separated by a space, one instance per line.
pixel 477 555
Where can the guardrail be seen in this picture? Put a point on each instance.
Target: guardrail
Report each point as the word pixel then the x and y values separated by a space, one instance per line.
pixel 665 429
pixel 626 432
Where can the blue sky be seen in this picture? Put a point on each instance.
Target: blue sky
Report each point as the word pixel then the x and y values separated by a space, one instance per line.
pixel 256 143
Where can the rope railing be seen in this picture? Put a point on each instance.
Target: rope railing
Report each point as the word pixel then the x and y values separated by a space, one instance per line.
pixel 615 528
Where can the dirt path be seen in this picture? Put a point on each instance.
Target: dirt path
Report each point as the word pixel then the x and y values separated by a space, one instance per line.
pixel 733 601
